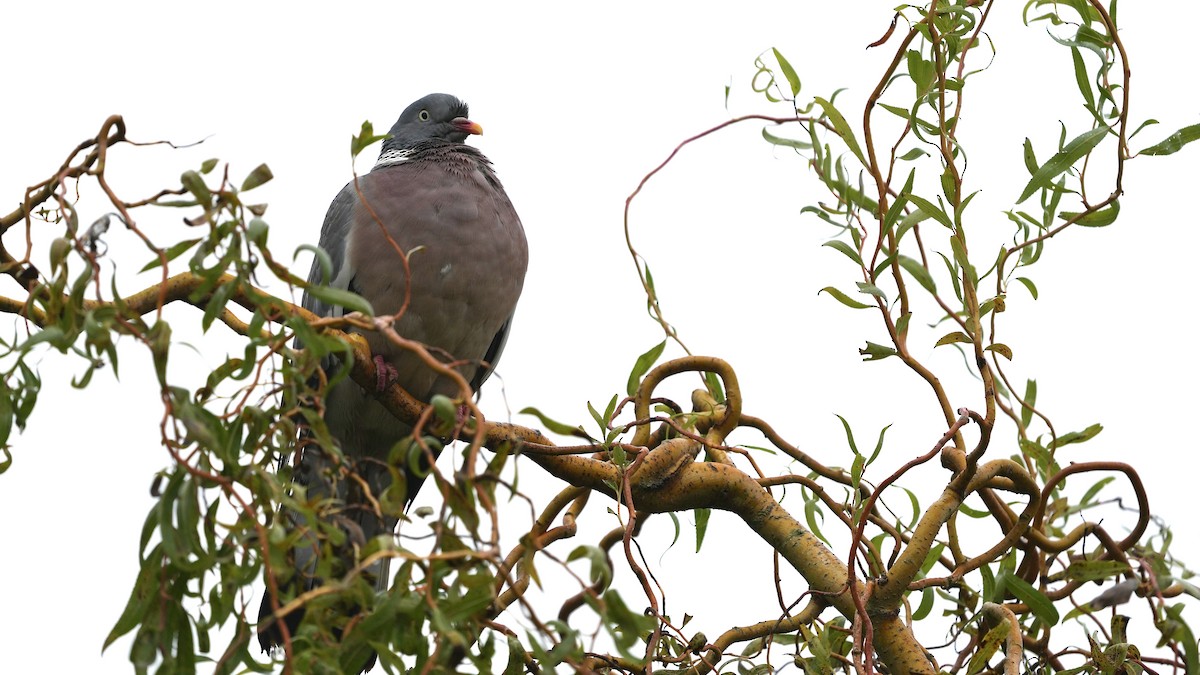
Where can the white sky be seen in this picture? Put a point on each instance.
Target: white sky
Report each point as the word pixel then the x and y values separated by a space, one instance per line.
pixel 578 105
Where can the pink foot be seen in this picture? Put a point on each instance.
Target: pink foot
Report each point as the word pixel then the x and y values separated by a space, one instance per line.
pixel 385 373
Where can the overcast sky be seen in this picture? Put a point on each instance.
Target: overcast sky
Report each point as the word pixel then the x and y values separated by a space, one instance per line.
pixel 577 105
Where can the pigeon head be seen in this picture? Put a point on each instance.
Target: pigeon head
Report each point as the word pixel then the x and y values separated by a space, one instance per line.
pixel 436 116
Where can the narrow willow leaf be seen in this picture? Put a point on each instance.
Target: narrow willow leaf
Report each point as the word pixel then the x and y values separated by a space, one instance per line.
pixel 845 248
pixel 902 113
pixel 365 138
pixel 702 516
pixel 849 434
pixel 1091 492
pixel 918 272
pixel 1001 349
pixel 926 605
pixel 1029 285
pixel 195 185
pixel 1141 126
pixel 642 366
pixel 1029 157
pixel 1103 217
pixel 1078 436
pixel 871 289
pixel 261 174
pixel 842 128
pixel 322 258
pixel 340 298
pixel 929 209
pixel 6 415
pixel 876 352
pixel 951 338
pixel 1038 603
pixel 1096 570
pixel 814 516
pixel 897 207
pixel 786 142
pixel 789 73
pixel 1030 403
pixel 1062 160
pixel 1081 79
pixel 949 189
pixel 554 425
pixel 920 70
pixel 878 444
pixel 843 298
pixel 171 253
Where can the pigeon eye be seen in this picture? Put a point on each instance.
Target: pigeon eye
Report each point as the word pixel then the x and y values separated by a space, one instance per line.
pixel 423 115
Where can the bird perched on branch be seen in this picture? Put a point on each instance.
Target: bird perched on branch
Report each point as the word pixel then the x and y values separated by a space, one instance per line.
pixel 436 202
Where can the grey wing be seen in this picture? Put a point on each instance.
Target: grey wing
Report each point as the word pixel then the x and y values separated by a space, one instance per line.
pixel 492 356
pixel 335 241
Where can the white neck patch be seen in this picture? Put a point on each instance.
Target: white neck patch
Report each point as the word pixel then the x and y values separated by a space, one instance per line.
pixel 393 156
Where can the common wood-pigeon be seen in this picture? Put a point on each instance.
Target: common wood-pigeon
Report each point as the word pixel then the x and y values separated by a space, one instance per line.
pixel 439 200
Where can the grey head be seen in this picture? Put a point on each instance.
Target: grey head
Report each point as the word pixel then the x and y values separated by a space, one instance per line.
pixel 436 116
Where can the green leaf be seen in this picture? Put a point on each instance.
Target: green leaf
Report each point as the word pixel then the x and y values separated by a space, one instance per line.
pixel 172 253
pixel 599 570
pixel 920 70
pixel 1175 142
pixel 1062 160
pixel 1030 401
pixel 843 298
pixel 1001 349
pixel 1095 570
pixel 141 600
pixel 849 435
pixel 918 272
pixel 1081 78
pixel 1029 157
pixel 256 232
pixel 813 515
pixel 643 365
pixel 786 142
pixel 554 425
pixel 322 258
pixel 951 338
pixel 928 208
pixel 788 72
pixel 1029 285
pixel 365 138
pixel 6 415
pixel 195 185
pixel 871 289
pixel 340 298
pixel 1078 436
pixel 702 516
pixel 1101 218
pixel 876 352
pixel 846 249
pixel 261 174
pixel 926 605
pixel 842 128
pixel 1038 603
pixel 878 445
pixel 949 188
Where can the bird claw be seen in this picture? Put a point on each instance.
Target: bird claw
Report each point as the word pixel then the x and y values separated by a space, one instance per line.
pixel 385 373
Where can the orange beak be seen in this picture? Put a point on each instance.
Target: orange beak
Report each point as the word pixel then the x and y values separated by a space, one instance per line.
pixel 464 124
